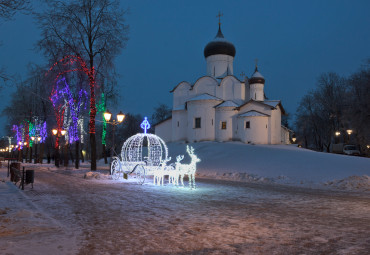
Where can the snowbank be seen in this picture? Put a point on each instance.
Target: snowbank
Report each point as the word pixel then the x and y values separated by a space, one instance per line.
pixel 283 164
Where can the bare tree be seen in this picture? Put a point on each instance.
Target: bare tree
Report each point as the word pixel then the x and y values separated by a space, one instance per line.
pixel 9 7
pixel 7 10
pixel 320 112
pixel 357 113
pixel 92 30
pixel 161 112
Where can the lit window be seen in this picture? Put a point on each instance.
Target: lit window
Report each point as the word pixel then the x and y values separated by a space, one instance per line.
pixel 247 124
pixel 197 123
pixel 223 125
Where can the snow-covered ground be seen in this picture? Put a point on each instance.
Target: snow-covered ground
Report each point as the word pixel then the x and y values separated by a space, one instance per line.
pixel 78 212
pixel 281 164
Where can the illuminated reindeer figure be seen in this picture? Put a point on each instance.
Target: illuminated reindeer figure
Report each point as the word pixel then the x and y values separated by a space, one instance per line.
pixel 187 169
pixel 161 172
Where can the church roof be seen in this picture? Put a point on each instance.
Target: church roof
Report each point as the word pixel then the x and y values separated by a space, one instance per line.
pixel 257 77
pixel 204 96
pixel 271 103
pixel 253 113
pixel 219 45
pixel 179 108
pixel 228 103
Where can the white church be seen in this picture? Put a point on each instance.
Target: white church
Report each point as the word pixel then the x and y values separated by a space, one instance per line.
pixel 220 107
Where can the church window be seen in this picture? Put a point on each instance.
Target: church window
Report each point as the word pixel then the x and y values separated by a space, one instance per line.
pixel 247 124
pixel 212 122
pixel 178 123
pixel 223 125
pixel 197 123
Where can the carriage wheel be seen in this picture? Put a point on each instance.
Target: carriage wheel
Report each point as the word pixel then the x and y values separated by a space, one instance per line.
pixel 115 169
pixel 139 170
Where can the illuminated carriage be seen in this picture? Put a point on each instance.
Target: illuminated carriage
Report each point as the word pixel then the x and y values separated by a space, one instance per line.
pixel 142 155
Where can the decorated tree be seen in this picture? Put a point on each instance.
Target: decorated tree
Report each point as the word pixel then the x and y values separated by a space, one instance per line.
pixel 93 33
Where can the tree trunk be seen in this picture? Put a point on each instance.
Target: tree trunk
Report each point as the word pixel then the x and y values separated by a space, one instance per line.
pixel 93 151
pixel 41 156
pixel 77 162
pixel 26 156
pixel 65 155
pixel 70 153
pixel 30 155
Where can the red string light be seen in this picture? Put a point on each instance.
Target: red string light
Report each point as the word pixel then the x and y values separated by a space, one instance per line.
pixel 71 60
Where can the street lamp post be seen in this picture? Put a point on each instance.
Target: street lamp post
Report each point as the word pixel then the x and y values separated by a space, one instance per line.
pixel 107 117
pixel 57 133
pixel 36 139
pixel 20 158
pixel 349 132
pixel 337 134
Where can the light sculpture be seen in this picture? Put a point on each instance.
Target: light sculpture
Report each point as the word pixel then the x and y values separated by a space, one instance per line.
pixel 145 125
pixel 187 169
pixel 153 159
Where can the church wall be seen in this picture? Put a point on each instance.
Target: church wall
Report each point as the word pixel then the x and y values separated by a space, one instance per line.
pixel 205 110
pixel 257 133
pixel 256 107
pixel 179 125
pixel 181 94
pixel 285 136
pixel 276 126
pixel 224 114
pixel 164 130
pixel 220 65
pixel 256 92
pixel 205 85
pixel 231 89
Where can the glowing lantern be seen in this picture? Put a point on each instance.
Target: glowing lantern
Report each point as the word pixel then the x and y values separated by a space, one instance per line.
pixel 120 116
pixel 107 115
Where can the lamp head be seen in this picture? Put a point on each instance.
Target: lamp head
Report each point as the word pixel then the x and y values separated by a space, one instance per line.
pixel 107 115
pixel 63 132
pixel 55 131
pixel 120 117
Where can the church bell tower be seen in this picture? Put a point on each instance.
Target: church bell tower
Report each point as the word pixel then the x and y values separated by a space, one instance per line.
pixel 219 54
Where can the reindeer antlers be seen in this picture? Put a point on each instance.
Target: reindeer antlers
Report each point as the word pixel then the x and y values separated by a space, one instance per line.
pixel 179 158
pixel 190 149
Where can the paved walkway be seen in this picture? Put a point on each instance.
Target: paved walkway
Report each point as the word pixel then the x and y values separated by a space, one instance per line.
pixel 24 228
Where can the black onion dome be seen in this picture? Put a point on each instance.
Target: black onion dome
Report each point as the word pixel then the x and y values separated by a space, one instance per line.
pixel 257 77
pixel 219 45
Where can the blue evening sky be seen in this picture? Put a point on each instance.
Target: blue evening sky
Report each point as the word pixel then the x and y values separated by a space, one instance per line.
pixel 294 42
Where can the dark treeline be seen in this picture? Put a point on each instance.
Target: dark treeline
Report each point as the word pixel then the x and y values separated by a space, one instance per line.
pixel 337 104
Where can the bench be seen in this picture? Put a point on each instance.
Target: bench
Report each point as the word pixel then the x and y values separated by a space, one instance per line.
pixel 15 175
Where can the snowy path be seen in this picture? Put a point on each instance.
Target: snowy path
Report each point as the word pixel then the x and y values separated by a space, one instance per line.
pixel 112 217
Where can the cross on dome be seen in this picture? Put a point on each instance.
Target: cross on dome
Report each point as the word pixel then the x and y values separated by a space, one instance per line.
pixel 219 17
pixel 145 124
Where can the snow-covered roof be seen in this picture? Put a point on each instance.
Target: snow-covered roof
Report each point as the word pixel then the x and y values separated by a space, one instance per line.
pixel 272 103
pixel 204 96
pixel 227 103
pixel 253 114
pixel 179 108
pixel 257 75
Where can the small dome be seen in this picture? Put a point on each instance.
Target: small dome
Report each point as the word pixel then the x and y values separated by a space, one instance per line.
pixel 257 77
pixel 219 45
